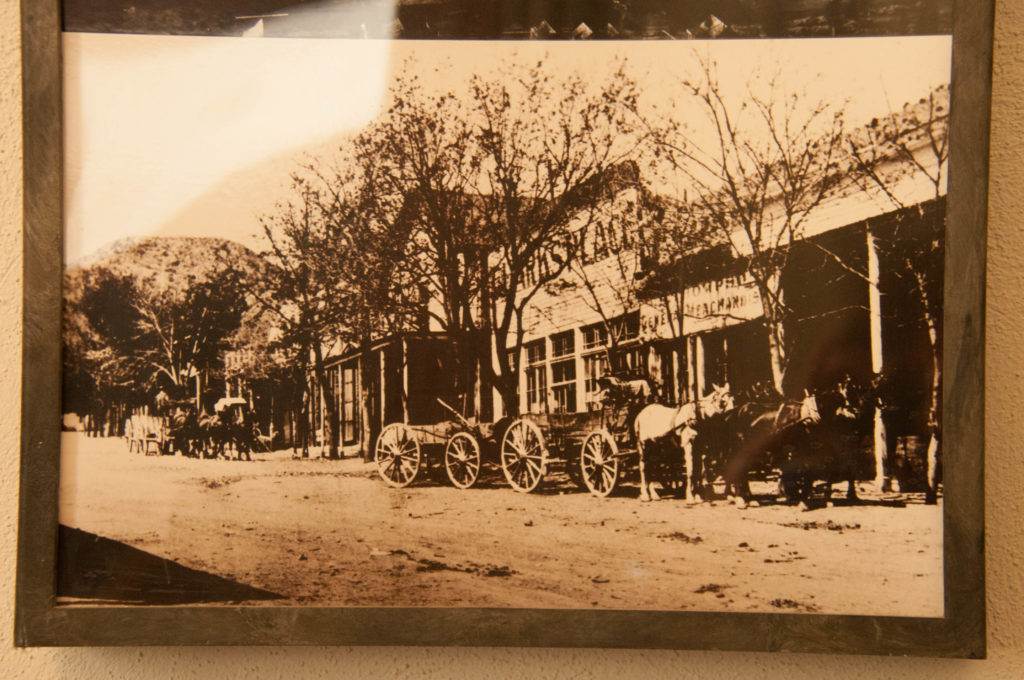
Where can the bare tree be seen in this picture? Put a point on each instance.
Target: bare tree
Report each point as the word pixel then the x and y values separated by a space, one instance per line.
pixel 496 188
pixel 888 158
pixel 330 276
pixel 551 150
pixel 369 253
pixel 297 289
pixel 676 252
pixel 756 167
pixel 423 164
pixel 608 271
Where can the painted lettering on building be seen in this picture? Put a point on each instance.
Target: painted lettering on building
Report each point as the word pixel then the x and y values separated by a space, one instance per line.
pixel 720 303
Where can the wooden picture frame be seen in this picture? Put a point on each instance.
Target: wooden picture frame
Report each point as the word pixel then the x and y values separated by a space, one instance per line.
pixel 40 621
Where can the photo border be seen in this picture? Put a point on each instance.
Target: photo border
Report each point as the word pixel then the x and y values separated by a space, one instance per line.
pixel 961 633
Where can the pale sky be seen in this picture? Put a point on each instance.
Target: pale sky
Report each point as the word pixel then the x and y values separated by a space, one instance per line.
pixel 171 135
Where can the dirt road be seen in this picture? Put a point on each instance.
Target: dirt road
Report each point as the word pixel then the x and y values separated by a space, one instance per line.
pixel 331 533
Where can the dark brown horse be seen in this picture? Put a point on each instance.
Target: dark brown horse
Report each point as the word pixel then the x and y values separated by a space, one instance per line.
pixel 804 440
pixel 183 431
pixel 826 450
pixel 232 428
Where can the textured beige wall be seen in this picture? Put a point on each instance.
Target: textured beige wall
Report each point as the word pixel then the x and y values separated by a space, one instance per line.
pixel 1004 487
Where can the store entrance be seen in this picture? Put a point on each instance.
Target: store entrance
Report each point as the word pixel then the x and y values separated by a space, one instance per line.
pixel 750 369
pixel 737 355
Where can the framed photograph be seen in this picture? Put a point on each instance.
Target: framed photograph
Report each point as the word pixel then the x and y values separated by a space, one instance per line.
pixel 636 324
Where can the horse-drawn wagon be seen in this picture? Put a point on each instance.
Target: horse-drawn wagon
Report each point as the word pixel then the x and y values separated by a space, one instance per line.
pixel 590 446
pixel 146 433
pixel 404 451
pixel 526 449
pixel 682 447
pixel 160 430
pixel 176 426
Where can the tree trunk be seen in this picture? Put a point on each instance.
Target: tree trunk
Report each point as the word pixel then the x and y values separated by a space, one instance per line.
pixel 934 430
pixel 777 352
pixel 330 404
pixel 772 306
pixel 509 397
pixel 303 420
pixel 497 370
pixel 682 367
pixel 370 426
pixel 935 434
pixel 367 433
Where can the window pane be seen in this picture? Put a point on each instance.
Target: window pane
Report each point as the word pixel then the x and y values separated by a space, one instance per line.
pixel 562 344
pixel 565 398
pixel 563 381
pixel 594 336
pixel 348 405
pixel 535 352
pixel 536 387
pixel 593 368
pixel 563 371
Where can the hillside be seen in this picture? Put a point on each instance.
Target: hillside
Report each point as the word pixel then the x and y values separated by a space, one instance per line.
pixel 163 263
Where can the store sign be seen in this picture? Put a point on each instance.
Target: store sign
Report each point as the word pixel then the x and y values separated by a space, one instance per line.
pixel 721 303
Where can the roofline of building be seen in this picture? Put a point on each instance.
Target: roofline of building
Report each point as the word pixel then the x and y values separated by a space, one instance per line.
pixel 354 351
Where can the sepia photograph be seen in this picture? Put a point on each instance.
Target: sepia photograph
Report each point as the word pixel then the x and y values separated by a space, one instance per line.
pixel 634 325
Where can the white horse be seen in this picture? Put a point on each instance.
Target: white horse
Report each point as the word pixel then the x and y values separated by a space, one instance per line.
pixel 656 421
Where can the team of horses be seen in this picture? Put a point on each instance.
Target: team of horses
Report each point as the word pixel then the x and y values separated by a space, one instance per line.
pixel 814 438
pixel 218 435
pixel 226 433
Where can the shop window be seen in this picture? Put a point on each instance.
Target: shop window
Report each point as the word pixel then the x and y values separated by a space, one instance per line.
pixel 629 361
pixel 715 363
pixel 536 378
pixel 594 337
pixel 563 344
pixel 594 367
pixel 535 353
pixel 626 327
pixel 563 385
pixel 334 376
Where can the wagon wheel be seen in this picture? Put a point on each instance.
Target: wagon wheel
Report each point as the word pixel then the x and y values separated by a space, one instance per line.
pixel 462 459
pixel 524 458
pixel 398 455
pixel 599 463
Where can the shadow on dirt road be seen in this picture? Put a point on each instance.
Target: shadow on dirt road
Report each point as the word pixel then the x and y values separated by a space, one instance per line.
pixel 102 571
